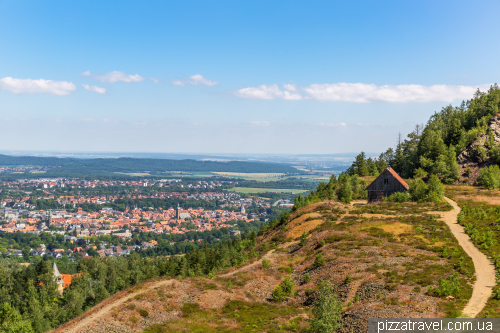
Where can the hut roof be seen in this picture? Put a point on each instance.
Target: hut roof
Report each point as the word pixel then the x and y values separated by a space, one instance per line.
pixel 395 174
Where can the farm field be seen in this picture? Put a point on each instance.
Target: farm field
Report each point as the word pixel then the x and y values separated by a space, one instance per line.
pixel 138 174
pixel 262 190
pixel 263 177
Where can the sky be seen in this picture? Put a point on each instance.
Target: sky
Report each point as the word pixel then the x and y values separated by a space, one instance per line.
pixel 292 77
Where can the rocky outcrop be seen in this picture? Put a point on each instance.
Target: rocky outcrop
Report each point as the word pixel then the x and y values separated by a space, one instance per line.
pixel 471 161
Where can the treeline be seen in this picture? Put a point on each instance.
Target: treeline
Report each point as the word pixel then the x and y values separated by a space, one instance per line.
pixel 289 183
pixel 363 166
pixel 433 149
pixel 29 301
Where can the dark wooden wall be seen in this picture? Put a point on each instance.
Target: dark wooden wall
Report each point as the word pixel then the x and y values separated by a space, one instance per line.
pixel 379 189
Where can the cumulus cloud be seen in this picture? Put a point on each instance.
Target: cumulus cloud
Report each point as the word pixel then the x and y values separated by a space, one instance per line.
pixel 267 92
pixel 41 86
pixel 333 124
pixel 177 83
pixel 195 80
pixel 155 79
pixel 362 92
pixel 114 76
pixel 96 89
pixel 260 123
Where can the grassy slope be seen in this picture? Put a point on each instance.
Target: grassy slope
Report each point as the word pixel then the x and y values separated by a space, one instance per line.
pixel 382 258
pixel 398 246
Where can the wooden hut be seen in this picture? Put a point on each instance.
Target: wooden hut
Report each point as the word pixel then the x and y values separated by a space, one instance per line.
pixel 387 183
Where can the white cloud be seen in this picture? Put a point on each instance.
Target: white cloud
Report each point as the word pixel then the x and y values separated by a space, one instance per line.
pixel 88 120
pixel 41 86
pixel 177 83
pixel 260 123
pixel 333 124
pixel 114 76
pixel 267 92
pixel 155 79
pixel 96 89
pixel 110 120
pixel 195 80
pixel 199 79
pixel 362 92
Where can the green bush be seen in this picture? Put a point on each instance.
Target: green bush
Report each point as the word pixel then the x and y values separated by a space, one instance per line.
pixel 266 264
pixel 327 310
pixel 489 177
pixel 421 192
pixel 447 287
pixel 143 313
pixel 399 197
pixel 303 239
pixel 283 290
pixel 319 260
pixel 435 190
pixel 190 308
pixel 278 294
pixel 307 278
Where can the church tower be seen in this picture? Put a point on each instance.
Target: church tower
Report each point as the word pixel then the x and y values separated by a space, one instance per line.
pixel 242 210
pixel 49 219
pixel 178 212
pixel 58 279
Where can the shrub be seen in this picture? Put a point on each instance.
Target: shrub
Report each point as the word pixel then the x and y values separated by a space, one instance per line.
pixel 278 294
pixel 319 260
pixel 303 239
pixel 143 312
pixel 399 197
pixel 489 177
pixel 266 264
pixel 345 192
pixel 327 310
pixel 190 308
pixel 307 278
pixel 435 190
pixel 418 190
pixel 283 290
pixel 447 287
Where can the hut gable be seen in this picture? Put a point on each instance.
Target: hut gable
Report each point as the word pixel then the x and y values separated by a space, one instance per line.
pixel 387 183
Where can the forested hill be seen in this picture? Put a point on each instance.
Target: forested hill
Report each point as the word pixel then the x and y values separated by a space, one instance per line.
pixel 434 148
pixel 72 166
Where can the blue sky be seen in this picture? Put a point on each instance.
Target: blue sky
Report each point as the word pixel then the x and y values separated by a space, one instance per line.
pixel 236 76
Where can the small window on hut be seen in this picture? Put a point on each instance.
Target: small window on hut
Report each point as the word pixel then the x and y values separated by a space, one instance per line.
pixel 386 180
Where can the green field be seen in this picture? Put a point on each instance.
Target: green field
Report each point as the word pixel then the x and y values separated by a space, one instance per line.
pixel 263 190
pixel 136 174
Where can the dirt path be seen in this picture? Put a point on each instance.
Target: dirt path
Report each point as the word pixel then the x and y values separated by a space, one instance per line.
pixel 248 267
pixel 485 272
pixel 87 321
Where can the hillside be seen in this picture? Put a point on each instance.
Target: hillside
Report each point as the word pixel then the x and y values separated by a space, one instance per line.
pixel 482 153
pixel 67 167
pixel 455 144
pixel 384 260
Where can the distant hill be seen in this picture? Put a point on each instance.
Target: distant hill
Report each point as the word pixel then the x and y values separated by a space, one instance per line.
pixel 72 166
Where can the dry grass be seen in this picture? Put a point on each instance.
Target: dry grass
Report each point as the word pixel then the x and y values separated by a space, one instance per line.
pixel 303 228
pixel 489 200
pixel 395 228
pixel 299 225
